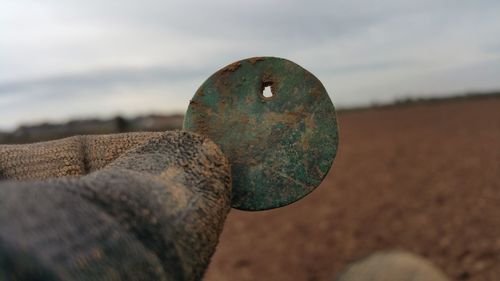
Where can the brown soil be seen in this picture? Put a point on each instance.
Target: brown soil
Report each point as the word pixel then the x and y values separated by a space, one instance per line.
pixel 423 177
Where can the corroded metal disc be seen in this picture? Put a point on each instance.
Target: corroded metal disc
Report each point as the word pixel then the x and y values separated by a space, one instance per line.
pixel 280 147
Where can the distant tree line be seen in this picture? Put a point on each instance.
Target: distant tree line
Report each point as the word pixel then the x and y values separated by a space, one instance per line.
pixel 49 131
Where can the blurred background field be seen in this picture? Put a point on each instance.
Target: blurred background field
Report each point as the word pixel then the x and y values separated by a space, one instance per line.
pixel 422 177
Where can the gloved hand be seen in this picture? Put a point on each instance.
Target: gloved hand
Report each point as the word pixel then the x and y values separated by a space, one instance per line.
pixel 138 206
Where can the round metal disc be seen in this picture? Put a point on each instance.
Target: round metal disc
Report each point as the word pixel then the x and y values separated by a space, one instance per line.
pixel 280 147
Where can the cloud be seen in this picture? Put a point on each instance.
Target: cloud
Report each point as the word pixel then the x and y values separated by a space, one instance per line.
pixel 58 52
pixel 99 94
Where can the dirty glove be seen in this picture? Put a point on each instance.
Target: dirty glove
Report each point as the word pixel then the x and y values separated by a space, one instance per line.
pixel 138 206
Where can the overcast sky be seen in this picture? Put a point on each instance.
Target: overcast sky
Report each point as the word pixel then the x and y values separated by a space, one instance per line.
pixel 65 59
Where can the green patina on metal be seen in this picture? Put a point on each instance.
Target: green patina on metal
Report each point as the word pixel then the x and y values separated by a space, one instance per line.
pixel 281 147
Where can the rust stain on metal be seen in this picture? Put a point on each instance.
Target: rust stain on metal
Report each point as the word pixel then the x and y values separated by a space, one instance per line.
pixel 255 60
pixel 232 67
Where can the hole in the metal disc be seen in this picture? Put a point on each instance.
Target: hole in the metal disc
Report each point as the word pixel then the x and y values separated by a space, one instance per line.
pixel 267 90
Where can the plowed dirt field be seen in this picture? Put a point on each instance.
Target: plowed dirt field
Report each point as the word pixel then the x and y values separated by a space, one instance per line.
pixel 421 177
